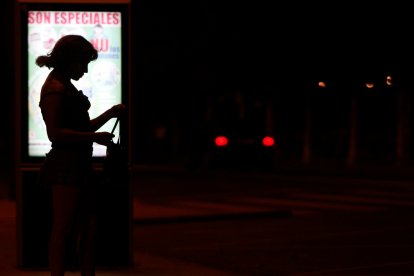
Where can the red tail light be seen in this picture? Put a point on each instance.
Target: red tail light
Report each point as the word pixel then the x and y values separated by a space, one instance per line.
pixel 268 141
pixel 221 141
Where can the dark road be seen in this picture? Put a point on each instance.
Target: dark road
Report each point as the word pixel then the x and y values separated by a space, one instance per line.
pixel 284 225
pixel 259 224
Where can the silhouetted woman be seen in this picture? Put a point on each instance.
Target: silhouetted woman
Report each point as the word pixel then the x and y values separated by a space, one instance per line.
pixel 67 168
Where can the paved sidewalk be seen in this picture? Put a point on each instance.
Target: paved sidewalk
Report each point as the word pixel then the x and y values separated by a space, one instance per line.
pixel 144 264
pixel 144 212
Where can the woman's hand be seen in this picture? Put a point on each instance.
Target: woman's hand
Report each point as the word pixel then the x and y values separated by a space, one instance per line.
pixel 103 138
pixel 117 110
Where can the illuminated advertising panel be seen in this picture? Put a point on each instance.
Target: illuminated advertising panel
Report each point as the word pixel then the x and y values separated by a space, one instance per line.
pixel 103 82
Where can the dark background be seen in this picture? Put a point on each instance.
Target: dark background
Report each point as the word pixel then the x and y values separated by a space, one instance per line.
pixel 185 54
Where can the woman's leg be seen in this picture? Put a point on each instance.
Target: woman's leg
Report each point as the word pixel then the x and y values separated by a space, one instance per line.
pixel 87 231
pixel 64 203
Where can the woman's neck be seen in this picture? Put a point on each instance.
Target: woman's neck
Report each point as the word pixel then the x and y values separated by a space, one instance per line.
pixel 61 75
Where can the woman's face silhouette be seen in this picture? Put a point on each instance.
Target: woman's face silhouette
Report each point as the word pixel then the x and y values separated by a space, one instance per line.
pixel 78 69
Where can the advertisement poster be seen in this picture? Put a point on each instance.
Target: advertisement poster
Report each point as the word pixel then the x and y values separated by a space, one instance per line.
pixel 102 84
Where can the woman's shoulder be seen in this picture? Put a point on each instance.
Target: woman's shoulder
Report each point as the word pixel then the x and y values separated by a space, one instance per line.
pixel 53 86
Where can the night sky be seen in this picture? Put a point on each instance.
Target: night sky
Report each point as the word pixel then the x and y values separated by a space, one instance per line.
pixel 267 41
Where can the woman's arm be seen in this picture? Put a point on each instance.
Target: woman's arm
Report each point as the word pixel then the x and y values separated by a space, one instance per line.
pixel 114 112
pixel 52 116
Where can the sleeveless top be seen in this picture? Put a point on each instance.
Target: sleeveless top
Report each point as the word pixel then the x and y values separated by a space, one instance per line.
pixel 68 163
